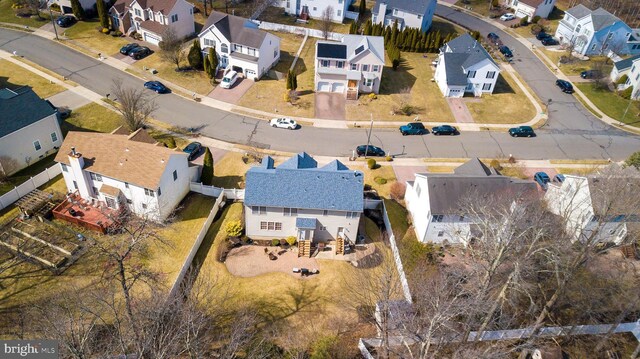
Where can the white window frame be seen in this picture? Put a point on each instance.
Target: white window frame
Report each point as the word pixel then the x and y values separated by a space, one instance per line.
pixel 354 67
pixel 325 63
pixel 174 18
pixel 376 68
pixel 149 192
pixel 365 68
pixel 37 145
pixel 471 74
pixel 491 74
pixel 258 210
pixel 54 137
pixel 487 86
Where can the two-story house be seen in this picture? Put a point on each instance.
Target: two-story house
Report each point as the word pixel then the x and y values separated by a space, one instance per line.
pixel 298 198
pixel 463 65
pixel 314 9
pixel 351 66
pixel 596 32
pixel 151 18
pixel 29 129
pixel 599 207
pixel 633 76
pixel 622 67
pixel 416 14
pixel 125 171
pixel 434 200
pixel 532 8
pixel 240 45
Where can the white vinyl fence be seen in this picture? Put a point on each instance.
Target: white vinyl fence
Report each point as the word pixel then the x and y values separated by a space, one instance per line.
pixel 29 185
pixel 213 191
pixel 265 25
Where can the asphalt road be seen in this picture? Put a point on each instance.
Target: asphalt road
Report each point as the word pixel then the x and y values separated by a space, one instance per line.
pixel 571 133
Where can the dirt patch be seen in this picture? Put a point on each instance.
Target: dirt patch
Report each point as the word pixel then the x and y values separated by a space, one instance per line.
pixel 252 261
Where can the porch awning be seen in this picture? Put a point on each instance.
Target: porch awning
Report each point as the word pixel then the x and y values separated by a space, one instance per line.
pixel 306 223
pixel 110 191
pixel 370 75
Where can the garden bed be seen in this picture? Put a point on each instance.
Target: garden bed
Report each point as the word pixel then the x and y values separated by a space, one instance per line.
pixel 49 233
pixel 32 249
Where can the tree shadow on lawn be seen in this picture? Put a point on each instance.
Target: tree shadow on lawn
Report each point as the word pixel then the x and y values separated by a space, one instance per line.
pixel 305 298
pixel 502 86
pixel 556 14
pixel 393 82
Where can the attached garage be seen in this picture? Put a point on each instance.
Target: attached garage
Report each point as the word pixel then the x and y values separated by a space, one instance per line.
pixel 324 86
pixel 250 74
pixel 151 38
pixel 337 87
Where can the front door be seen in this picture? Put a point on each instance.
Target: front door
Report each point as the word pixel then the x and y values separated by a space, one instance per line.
pixel 304 234
pixel 340 232
pixel 353 83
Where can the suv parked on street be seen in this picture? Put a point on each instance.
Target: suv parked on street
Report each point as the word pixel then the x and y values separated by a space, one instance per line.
pixel 565 86
pixel 542 178
pixel 522 131
pixel 413 128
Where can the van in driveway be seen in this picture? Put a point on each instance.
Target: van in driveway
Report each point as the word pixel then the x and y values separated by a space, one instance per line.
pixel 229 79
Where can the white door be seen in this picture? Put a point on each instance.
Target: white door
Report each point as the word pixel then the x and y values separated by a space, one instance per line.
pixel 337 87
pixel 250 74
pixel 324 86
pixel 152 39
pixel 341 232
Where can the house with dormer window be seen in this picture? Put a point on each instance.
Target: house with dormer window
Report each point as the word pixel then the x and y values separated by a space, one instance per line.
pixel 532 8
pixel 465 66
pixel 597 32
pixel 351 66
pixel 415 14
pixel 151 18
pixel 240 45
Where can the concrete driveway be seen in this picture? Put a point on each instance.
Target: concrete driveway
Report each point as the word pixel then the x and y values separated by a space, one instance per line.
pixel 68 99
pixel 233 94
pixel 330 106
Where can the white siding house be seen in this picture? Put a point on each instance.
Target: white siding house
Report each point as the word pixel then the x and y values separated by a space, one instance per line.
pixel 299 199
pixel 121 171
pixel 151 18
pixel 433 200
pixel 532 8
pixel 591 211
pixel 65 5
pixel 622 67
pixel 465 66
pixel 351 66
pixel 597 32
pixel 29 129
pixel 315 8
pixel 415 14
pixel 634 79
pixel 240 45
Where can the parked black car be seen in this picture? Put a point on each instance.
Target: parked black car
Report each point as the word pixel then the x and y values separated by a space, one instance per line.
pixel 193 149
pixel 444 130
pixel 591 74
pixel 549 41
pixel 126 49
pixel 65 20
pixel 370 151
pixel 506 51
pixel 493 37
pixel 565 86
pixel 140 52
pixel 542 35
pixel 522 131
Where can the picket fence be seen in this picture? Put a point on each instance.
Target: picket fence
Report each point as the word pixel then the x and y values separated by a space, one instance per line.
pixel 29 185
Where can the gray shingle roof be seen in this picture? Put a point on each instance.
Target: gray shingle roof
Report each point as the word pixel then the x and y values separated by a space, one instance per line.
pixel 412 6
pixel 20 108
pixel 602 18
pixel 235 29
pixel 299 183
pixel 461 53
pixel 626 63
pixel 453 67
pixel 579 11
pixel 346 49
pixel 306 223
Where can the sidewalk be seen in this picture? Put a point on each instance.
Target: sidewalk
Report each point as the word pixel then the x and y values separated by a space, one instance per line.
pixel 264 115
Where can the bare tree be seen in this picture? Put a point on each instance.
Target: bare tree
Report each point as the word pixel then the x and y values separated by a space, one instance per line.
pixel 8 165
pixel 135 105
pixel 326 21
pixel 598 76
pixel 171 47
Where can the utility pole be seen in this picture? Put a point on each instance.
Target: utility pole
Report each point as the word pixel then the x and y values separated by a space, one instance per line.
pixel 55 30
pixel 366 150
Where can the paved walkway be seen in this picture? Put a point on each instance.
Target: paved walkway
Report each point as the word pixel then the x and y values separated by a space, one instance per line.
pixel 459 110
pixel 68 99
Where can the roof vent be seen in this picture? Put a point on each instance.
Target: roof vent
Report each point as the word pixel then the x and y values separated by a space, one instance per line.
pixel 126 149
pixel 162 160
pixel 73 151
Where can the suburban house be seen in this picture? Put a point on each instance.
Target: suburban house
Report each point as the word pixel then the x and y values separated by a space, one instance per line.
pixel 623 67
pixel 592 211
pixel 317 205
pixel 125 171
pixel 532 8
pixel 597 32
pixel 151 18
pixel 29 129
pixel 633 74
pixel 306 9
pixel 463 65
pixel 240 45
pixel 65 5
pixel 416 14
pixel 351 66
pixel 433 200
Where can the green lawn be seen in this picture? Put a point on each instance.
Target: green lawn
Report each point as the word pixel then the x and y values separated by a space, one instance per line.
pixel 8 15
pixel 13 76
pixel 612 105
pixel 92 117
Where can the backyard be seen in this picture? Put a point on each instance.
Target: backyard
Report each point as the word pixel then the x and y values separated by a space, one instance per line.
pixel 13 76
pixel 612 105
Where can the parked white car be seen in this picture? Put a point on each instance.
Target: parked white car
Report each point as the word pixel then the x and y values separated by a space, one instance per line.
pixel 283 122
pixel 508 16
pixel 229 79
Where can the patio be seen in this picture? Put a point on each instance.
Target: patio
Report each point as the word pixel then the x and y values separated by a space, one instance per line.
pixel 93 215
pixel 252 261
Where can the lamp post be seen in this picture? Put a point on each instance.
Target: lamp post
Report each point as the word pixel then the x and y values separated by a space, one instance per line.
pixel 55 30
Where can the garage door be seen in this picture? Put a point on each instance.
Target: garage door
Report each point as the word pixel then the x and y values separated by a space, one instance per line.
pixel 337 87
pixel 152 39
pixel 250 74
pixel 324 86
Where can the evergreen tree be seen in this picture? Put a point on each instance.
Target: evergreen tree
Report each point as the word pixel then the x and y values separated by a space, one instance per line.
pixel 367 27
pixel 213 62
pixel 77 9
pixel 195 55
pixel 103 14
pixel 207 67
pixel 414 41
pixel 363 7
pixel 353 29
pixel 289 84
pixel 394 32
pixel 294 81
pixel 207 168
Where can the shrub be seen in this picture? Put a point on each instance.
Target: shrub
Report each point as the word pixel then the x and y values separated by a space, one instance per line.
pixel 495 164
pixel 397 190
pixel 116 33
pixel 367 187
pixel 622 80
pixel 536 29
pixel 380 180
pixel 275 242
pixel 234 228
pixel 389 159
pixel 105 30
pixel 292 240
pixel 626 93
pixel 283 241
pixel 633 160
pixel 524 21
pixel 207 168
pixel 287 96
pixel 171 142
pixel 495 3
pixel 373 96
pixel 535 19
pixel 407 109
pixel 371 163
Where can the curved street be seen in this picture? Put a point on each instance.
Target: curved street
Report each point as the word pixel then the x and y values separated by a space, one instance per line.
pixel 571 132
